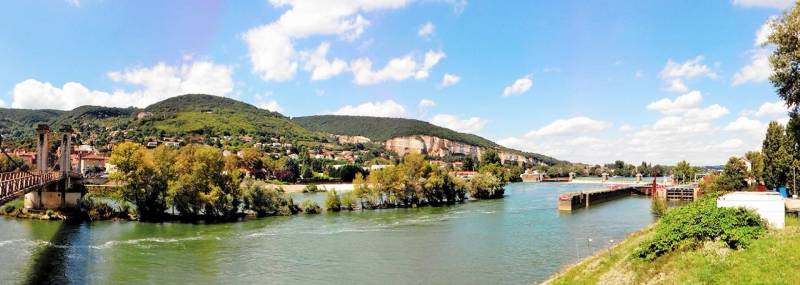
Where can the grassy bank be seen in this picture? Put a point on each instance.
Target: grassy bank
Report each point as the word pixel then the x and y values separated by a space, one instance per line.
pixel 763 262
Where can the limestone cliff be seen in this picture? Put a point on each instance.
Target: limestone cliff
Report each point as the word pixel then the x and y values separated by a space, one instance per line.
pixel 436 146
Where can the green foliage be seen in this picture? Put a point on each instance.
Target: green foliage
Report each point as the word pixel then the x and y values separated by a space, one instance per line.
pixel 785 58
pixel 145 184
pixel 12 164
pixel 349 200
pixel 734 175
pixel 484 186
pixel 310 207
pixel 264 199
pixel 777 159
pixel 332 201
pixel 311 188
pixel 684 172
pixel 756 160
pixel 690 225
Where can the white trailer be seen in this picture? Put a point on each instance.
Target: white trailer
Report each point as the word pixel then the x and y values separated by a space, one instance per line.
pixel 768 205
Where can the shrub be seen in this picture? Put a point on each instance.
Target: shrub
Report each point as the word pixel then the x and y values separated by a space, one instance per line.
pixel 310 207
pixel 690 225
pixel 332 201
pixel 310 188
pixel 484 186
pixel 262 198
pixel 349 200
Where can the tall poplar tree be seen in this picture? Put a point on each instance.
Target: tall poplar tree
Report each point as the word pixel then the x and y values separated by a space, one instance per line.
pixel 777 159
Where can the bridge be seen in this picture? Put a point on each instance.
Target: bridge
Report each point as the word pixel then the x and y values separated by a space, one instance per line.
pixel 45 187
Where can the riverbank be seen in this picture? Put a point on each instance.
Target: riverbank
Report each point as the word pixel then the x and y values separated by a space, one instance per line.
pixel 298 188
pixel 763 262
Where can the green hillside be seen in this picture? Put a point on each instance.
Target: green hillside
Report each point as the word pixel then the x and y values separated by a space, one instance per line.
pixel 207 114
pixel 381 129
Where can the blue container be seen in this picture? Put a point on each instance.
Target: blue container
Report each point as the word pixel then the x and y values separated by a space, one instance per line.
pixel 783 191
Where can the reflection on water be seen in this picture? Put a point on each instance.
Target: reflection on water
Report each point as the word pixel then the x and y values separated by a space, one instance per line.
pixel 517 240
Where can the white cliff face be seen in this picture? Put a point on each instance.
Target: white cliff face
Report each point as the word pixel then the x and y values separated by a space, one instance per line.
pixel 352 139
pixel 436 146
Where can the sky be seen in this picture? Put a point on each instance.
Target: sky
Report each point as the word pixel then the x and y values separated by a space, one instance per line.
pixel 585 81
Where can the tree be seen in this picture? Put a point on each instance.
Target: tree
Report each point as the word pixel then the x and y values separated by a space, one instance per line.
pixel 734 175
pixel 756 161
pixel 777 160
pixel 785 59
pixel 684 171
pixel 332 201
pixel 490 156
pixel 143 185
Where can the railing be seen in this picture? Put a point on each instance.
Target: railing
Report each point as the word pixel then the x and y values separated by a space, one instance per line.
pixel 15 184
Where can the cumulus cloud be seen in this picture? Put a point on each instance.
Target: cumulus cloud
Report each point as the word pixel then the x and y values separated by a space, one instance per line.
pixel 570 126
pixel 688 69
pixel 450 80
pixel 772 109
pixel 677 85
pixel 271 46
pixel 154 84
pixel 388 108
pixel 758 70
pixel 321 69
pixel 675 73
pixel 681 104
pixel 779 4
pixel 744 124
pixel 263 102
pixel 519 86
pixel 464 125
pixel 397 69
pixel 426 30
pixel 426 103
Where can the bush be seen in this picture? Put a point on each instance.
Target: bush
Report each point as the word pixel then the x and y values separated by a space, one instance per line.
pixel 332 201
pixel 349 200
pixel 690 225
pixel 310 207
pixel 311 188
pixel 484 186
pixel 263 199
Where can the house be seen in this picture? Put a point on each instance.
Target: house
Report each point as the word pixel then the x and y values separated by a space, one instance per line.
pixel 458 165
pixel 92 162
pixel 151 144
pixel 438 163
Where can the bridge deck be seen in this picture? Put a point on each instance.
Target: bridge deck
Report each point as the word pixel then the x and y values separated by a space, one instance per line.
pixel 15 184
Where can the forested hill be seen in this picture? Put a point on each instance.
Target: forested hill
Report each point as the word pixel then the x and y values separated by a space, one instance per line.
pixel 381 129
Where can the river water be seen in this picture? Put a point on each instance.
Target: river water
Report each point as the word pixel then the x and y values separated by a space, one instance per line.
pixel 521 239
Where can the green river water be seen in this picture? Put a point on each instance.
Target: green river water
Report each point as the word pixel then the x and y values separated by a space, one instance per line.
pixel 521 239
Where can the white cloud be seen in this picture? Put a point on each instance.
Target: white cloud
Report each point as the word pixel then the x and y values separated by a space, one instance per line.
pixel 263 102
pixel 519 86
pixel 758 70
pixel 625 128
pixel 677 85
pixel 156 83
pixel 681 104
pixel 464 125
pixel 388 108
pixel 731 144
pixel 2 103
pixel 74 3
pixel 270 105
pixel 744 124
pixel 450 80
pixel 706 114
pixel 779 4
pixel 426 103
pixel 271 46
pixel 772 109
pixel 319 65
pixel 426 30
pixel 396 69
pixel 570 126
pixel 689 69
pixel 763 32
pixel 638 74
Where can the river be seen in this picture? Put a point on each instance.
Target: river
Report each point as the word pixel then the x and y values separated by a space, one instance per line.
pixel 521 239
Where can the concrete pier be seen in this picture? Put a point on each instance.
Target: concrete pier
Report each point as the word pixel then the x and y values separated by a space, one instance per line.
pixel 575 200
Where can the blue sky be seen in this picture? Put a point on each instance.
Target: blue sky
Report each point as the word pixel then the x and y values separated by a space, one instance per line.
pixel 587 81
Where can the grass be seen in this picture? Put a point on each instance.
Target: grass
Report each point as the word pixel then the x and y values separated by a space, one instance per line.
pixel 764 262
pixel 12 206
